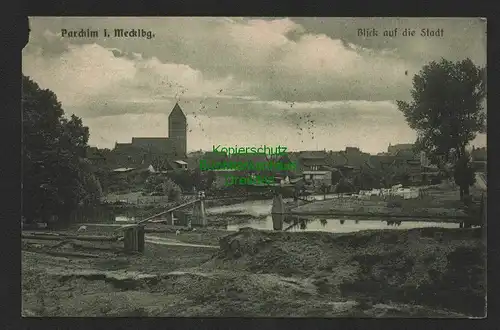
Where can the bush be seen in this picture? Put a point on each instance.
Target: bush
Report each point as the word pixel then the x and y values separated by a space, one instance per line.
pixel 344 186
pixel 436 180
pixel 172 190
pixel 394 204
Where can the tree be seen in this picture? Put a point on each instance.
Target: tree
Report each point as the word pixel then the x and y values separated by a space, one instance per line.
pixel 153 184
pixel 344 186
pixel 367 180
pixel 464 175
pixel 56 177
pixel 185 179
pixel 203 180
pixel 171 189
pixel 211 176
pixel 163 186
pixel 447 110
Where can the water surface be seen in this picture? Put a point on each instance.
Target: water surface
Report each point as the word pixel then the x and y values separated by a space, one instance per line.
pixel 261 210
pixel 335 225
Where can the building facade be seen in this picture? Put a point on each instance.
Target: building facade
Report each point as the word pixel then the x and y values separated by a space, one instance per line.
pixel 148 150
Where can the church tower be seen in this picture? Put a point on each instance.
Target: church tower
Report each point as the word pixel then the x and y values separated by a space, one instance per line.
pixel 177 131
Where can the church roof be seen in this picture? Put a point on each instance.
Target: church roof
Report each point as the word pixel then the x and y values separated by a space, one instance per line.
pixel 177 111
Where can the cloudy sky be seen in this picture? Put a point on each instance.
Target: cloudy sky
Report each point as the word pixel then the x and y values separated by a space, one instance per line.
pixel 307 83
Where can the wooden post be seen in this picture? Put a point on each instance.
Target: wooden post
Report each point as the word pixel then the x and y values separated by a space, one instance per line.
pixel 278 221
pixel 199 209
pixel 278 212
pixel 130 239
pixel 170 218
pixel 182 218
pixel 202 212
pixel 278 205
pixel 199 212
pixel 140 239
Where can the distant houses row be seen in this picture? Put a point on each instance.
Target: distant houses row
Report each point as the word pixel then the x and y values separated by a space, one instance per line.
pixel 318 167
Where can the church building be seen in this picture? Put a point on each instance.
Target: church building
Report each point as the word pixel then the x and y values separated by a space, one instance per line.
pixel 157 151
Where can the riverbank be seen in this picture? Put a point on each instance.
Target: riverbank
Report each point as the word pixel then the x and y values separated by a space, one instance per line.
pixel 440 202
pixel 430 272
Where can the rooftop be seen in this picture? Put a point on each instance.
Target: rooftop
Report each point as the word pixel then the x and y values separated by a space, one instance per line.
pixel 177 111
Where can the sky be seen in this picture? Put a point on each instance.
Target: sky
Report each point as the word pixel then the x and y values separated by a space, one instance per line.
pixel 304 83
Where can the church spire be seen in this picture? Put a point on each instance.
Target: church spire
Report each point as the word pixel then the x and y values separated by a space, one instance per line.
pixel 177 110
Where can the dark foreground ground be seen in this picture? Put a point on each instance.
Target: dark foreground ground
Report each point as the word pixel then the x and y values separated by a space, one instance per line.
pixel 427 272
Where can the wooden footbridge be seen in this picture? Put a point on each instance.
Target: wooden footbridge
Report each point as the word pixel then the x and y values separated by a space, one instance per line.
pixel 133 234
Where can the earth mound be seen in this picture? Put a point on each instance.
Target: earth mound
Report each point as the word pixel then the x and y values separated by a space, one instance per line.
pixel 429 266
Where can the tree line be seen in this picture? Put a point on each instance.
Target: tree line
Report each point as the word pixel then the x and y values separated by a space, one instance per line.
pixel 57 177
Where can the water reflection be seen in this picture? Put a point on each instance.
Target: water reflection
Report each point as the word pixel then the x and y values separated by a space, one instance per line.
pixel 262 219
pixel 296 223
pixel 278 220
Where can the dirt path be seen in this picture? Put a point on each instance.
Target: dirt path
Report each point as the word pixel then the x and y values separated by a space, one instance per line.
pixel 173 242
pixel 431 272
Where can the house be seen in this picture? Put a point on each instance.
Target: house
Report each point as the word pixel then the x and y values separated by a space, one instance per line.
pixel 95 156
pixel 165 164
pixel 479 158
pixel 181 165
pixel 399 165
pixel 394 149
pixel 292 160
pixel 311 160
pixel 310 168
pixel 210 159
pixel 382 162
pixel 350 161
pixel 255 159
pixel 408 163
pixel 317 178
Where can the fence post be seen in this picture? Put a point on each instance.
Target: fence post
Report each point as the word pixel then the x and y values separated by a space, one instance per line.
pixel 140 239
pixel 277 212
pixel 129 239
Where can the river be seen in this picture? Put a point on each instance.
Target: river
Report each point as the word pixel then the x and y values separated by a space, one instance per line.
pixel 261 212
pixel 257 214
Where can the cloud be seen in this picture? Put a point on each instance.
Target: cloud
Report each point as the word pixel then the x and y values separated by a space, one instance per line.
pixel 243 75
pixel 92 80
pixel 80 74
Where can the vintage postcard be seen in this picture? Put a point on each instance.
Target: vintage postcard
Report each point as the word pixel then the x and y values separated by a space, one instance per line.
pixel 254 167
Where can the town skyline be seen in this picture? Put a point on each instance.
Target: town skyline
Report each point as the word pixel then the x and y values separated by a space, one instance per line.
pixel 307 83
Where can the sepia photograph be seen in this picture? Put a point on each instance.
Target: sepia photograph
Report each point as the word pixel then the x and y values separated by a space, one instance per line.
pixel 290 167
